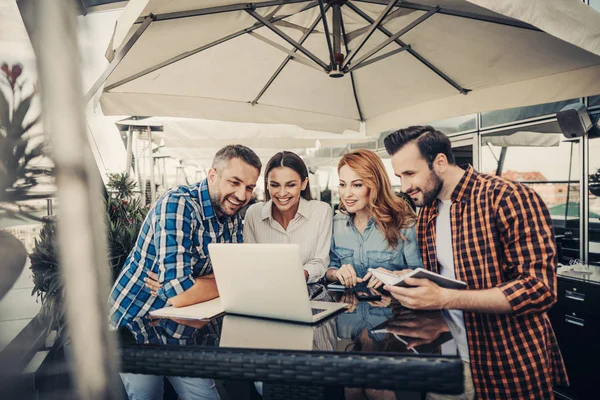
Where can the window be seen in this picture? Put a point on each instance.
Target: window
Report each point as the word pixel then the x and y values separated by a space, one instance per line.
pixel 499 117
pixel 548 164
pixel 594 202
pixel 457 124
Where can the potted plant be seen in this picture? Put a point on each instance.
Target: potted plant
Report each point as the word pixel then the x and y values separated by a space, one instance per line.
pixel 124 217
pixel 20 169
pixel 594 183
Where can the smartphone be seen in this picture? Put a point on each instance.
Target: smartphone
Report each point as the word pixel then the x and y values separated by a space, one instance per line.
pixel 336 287
pixel 363 293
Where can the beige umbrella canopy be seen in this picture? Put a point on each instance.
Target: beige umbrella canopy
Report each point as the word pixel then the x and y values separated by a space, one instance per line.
pixel 197 141
pixel 384 63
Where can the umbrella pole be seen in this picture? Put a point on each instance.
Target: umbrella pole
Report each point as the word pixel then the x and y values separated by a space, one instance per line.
pixel 129 150
pixel 151 157
pixel 82 243
pixel 569 185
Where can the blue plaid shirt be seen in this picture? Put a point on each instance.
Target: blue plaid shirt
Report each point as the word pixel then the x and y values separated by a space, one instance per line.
pixel 173 243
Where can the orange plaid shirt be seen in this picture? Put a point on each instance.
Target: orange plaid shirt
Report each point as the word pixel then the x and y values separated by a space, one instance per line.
pixel 502 237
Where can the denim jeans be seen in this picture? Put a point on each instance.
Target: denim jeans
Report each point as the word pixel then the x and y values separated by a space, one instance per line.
pixel 150 387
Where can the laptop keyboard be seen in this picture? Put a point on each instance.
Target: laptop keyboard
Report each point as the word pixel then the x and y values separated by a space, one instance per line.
pixel 316 311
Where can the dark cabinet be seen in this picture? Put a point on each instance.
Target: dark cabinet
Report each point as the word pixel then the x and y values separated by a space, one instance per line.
pixel 576 322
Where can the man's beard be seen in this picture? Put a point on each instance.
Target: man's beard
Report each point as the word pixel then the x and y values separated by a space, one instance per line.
pixel 217 201
pixel 431 195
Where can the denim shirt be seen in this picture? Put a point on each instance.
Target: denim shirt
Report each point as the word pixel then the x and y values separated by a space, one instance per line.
pixel 371 249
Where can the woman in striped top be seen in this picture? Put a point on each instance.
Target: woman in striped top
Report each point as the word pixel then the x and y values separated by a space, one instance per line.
pixel 290 215
pixel 375 228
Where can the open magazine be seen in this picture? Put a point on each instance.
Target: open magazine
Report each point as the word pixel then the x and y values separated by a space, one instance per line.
pixel 391 279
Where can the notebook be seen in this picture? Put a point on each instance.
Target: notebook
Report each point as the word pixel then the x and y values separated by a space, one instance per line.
pixel 391 279
pixel 205 310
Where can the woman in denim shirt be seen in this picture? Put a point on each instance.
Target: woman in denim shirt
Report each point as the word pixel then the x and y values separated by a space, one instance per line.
pixel 375 228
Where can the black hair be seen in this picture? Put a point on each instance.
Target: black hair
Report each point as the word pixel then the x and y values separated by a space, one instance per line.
pixel 429 141
pixel 236 151
pixel 290 160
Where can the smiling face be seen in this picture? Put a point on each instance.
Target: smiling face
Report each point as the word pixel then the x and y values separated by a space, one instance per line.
pixel 354 194
pixel 231 186
pixel 285 186
pixel 420 182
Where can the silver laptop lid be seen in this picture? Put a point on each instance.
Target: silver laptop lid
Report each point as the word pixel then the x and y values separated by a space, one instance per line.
pixel 264 280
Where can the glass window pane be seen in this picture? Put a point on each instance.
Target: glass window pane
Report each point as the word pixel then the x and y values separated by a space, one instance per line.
pixel 499 117
pixel 457 124
pixel 595 100
pixel 542 162
pixel 595 4
pixel 594 202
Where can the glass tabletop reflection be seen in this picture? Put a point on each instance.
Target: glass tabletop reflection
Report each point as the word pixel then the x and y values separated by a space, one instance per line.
pixel 382 326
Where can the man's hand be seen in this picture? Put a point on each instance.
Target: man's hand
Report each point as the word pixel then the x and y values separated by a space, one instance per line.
pixel 423 295
pixel 151 282
pixel 347 276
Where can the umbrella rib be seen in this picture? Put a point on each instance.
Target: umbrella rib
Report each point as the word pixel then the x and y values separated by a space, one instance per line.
pixel 200 49
pixel 374 25
pixel 221 9
pixel 326 29
pixel 118 58
pixel 393 38
pixel 288 58
pixel 460 14
pixel 378 58
pixel 293 56
pixel 288 39
pixel 360 115
pixel 415 54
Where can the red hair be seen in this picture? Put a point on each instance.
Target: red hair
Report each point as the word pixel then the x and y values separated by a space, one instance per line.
pixel 391 213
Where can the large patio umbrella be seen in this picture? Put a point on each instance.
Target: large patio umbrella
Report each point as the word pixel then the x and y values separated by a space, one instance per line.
pixel 386 63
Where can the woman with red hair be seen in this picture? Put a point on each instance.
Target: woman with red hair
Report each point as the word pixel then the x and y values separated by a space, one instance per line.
pixel 375 228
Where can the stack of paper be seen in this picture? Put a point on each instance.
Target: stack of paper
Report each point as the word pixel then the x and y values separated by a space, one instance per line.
pixel 204 310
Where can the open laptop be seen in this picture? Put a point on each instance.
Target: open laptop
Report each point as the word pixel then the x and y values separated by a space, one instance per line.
pixel 265 280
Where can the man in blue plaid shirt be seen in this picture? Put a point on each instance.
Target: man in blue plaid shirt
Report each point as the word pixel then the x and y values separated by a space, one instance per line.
pixel 170 264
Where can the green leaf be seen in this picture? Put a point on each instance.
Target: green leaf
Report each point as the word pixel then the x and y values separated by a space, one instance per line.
pixel 21 112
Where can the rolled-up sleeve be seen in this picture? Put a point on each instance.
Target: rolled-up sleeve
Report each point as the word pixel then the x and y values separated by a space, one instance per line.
pixel 174 224
pixel 529 250
pixel 317 266
pixel 334 260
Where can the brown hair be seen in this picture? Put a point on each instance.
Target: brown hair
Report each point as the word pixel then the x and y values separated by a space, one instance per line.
pixel 391 212
pixel 289 160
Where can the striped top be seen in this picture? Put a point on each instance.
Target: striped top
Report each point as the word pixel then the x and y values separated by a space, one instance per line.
pixel 502 237
pixel 310 229
pixel 173 243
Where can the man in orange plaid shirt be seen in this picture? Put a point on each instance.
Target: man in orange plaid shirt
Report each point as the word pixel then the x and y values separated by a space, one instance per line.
pixel 496 235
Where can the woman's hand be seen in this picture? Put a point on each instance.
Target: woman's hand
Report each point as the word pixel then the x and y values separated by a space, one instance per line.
pixel 373 281
pixel 347 276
